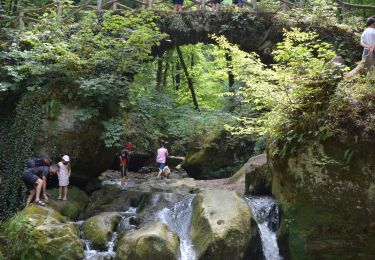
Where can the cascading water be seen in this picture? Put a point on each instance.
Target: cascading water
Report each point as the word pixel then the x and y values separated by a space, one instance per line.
pixel 266 213
pixel 178 217
pixel 125 224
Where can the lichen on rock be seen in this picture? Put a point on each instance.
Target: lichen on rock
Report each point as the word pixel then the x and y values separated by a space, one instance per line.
pixel 221 225
pixel 98 229
pixel 152 241
pixel 42 233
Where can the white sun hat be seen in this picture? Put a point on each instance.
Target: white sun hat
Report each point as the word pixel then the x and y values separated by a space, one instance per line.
pixel 66 158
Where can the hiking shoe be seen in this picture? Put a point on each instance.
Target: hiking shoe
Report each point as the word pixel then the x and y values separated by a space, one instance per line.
pixel 40 203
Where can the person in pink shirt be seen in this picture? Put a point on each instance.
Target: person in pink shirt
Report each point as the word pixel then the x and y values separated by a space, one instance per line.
pixel 161 157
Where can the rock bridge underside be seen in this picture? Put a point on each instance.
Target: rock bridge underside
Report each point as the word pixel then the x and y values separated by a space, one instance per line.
pixel 251 32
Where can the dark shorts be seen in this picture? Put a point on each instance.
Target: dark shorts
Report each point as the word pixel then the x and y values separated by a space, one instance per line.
pixel 30 180
pixel 217 1
pixel 178 2
pixel 161 166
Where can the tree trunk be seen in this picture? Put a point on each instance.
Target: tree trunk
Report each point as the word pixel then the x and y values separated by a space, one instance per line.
pixel 15 6
pixel 228 58
pixel 178 77
pixel 165 74
pixel 159 73
pixel 2 6
pixel 189 80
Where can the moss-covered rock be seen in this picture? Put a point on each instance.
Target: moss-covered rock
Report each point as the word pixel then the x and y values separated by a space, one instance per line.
pixel 219 157
pixel 42 233
pixel 79 138
pixel 221 225
pixel 153 241
pixel 258 181
pixel 327 201
pixel 110 198
pixel 98 229
pixel 73 207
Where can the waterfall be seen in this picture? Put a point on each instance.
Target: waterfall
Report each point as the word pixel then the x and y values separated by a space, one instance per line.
pixel 266 213
pixel 178 217
pixel 125 224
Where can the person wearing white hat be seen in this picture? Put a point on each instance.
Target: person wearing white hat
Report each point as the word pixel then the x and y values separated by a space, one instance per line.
pixel 64 174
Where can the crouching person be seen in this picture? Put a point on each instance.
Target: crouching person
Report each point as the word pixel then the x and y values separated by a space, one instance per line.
pixel 35 180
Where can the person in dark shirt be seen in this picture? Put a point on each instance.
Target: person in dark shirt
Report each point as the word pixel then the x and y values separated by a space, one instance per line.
pixel 124 162
pixel 35 161
pixel 35 179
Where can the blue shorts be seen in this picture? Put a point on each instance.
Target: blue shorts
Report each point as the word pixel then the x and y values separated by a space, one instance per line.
pixel 30 180
pixel 161 166
pixel 178 2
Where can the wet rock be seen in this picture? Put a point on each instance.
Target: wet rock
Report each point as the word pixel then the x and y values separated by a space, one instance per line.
pixel 148 169
pixel 110 198
pixel 180 186
pixel 43 233
pixel 109 175
pixel 258 181
pixel 318 188
pixel 99 229
pixel 73 207
pixel 218 158
pixel 153 241
pixel 221 225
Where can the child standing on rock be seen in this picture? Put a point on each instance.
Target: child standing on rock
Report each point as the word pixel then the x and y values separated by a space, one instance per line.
pixel 64 174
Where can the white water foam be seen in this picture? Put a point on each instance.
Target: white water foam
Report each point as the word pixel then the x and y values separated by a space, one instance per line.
pixel 265 212
pixel 178 218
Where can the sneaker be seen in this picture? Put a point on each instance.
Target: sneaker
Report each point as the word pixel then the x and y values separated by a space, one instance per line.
pixel 40 203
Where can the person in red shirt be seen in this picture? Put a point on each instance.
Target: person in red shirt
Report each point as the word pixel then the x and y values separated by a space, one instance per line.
pixel 124 162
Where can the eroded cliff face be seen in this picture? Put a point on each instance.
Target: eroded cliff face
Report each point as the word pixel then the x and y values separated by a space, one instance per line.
pixel 327 193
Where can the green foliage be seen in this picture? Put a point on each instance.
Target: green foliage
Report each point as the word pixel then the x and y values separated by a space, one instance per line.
pixel 19 243
pixel 113 132
pixel 52 108
pixel 98 55
pixel 16 146
pixel 293 95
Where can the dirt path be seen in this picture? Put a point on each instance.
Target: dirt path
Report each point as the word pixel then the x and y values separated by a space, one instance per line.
pixel 237 181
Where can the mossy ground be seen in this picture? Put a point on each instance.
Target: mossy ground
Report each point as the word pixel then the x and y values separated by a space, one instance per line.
pixel 41 233
pixel 73 207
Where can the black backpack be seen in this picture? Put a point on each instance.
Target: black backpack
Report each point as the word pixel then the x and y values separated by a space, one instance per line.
pixel 35 161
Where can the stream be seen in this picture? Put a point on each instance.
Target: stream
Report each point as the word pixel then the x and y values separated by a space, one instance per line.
pixel 265 210
pixel 176 212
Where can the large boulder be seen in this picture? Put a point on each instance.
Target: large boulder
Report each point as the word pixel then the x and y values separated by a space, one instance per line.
pixel 327 195
pixel 42 233
pixel 153 241
pixel 221 225
pixel 73 207
pixel 110 198
pixel 72 132
pixel 218 158
pixel 98 229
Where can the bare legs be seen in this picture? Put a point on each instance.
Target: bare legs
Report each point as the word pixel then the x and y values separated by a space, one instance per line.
pixel 39 186
pixel 65 188
pixel 123 178
pixel 30 197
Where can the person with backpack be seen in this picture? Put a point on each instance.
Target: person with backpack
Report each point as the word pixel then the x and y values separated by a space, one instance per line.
pixel 35 161
pixel 35 180
pixel 124 162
